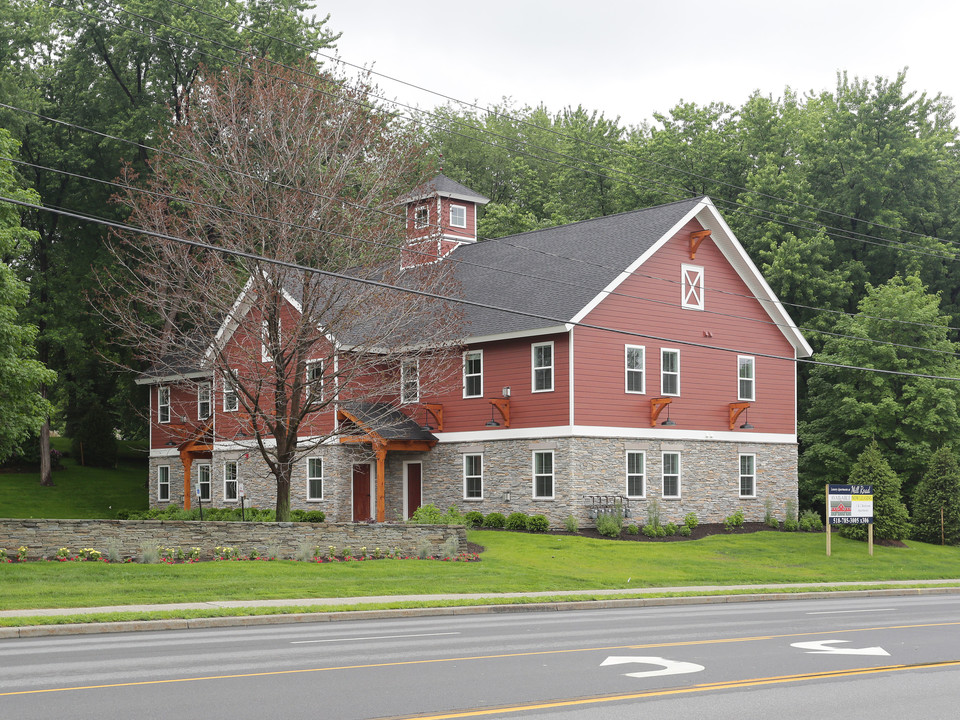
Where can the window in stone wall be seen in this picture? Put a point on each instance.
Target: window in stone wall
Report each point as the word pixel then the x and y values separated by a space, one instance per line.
pixel 203 481
pixel 230 481
pixel 543 474
pixel 314 478
pixel 671 474
pixel 748 476
pixel 636 474
pixel 163 483
pixel 473 477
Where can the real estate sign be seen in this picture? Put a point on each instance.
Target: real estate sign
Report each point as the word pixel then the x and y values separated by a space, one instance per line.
pixel 850 504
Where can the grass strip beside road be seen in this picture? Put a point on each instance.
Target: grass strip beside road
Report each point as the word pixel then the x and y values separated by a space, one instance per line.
pixel 512 562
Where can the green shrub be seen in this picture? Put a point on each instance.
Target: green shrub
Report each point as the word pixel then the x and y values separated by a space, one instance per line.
pixel 474 519
pixel 791 524
pixel 494 520
pixel 633 529
pixel 314 516
pixel 538 523
pixel 428 514
pixel 516 521
pixel 810 521
pixel 653 531
pixel 685 531
pixel 690 520
pixel 733 522
pixel 571 524
pixel 609 524
pixel 653 513
pixel 769 518
pixel 670 529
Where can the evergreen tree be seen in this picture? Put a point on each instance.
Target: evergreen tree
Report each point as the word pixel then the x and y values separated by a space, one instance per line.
pixel 891 521
pixel 938 492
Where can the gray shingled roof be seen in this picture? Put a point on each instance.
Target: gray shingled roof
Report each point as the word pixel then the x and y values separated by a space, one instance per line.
pixel 445 187
pixel 557 271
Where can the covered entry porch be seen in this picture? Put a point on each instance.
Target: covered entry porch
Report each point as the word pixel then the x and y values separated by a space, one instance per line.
pixel 384 429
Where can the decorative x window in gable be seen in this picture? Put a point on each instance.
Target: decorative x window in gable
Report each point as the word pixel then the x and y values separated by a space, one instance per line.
pixel 692 285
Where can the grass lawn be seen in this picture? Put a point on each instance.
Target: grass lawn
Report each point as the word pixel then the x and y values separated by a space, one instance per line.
pixel 79 492
pixel 513 562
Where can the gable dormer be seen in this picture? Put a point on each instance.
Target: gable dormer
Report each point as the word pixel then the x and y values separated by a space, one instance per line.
pixel 441 216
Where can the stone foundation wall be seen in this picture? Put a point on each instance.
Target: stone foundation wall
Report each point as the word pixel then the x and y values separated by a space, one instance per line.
pixel 44 537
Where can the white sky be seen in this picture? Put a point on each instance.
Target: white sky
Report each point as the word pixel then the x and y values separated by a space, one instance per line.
pixel 631 59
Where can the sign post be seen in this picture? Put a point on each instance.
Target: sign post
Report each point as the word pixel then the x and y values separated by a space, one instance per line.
pixel 199 501
pixel 850 505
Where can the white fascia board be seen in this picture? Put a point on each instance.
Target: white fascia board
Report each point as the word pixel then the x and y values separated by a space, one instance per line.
pixel 173 377
pixel 271 443
pixel 478 199
pixel 574 431
pixel 230 323
pixel 164 452
pixel 533 332
pixel 634 266
pixel 737 256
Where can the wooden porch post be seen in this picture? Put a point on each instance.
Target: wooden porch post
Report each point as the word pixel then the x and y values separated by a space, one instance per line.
pixel 187 461
pixel 381 451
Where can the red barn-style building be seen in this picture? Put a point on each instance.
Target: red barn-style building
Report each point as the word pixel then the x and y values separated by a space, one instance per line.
pixel 629 359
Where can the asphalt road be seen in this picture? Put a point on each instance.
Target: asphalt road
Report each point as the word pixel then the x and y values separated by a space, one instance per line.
pixel 855 658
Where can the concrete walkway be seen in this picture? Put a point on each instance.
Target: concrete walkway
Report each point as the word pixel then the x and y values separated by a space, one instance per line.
pixel 478 603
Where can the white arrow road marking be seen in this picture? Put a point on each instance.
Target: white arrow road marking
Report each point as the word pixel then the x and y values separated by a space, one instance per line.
pixel 667 667
pixel 820 647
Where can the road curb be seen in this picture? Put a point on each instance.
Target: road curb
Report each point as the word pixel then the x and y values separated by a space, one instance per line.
pixel 27 631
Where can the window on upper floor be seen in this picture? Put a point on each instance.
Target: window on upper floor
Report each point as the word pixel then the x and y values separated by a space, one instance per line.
pixel 473 374
pixel 636 474
pixel 692 287
pixel 748 476
pixel 543 474
pixel 231 401
pixel 204 404
pixel 314 380
pixel 635 362
pixel 473 477
pixel 542 367
pixel 458 216
pixel 670 473
pixel 669 372
pixel 746 385
pixel 421 217
pixel 409 381
pixel 163 404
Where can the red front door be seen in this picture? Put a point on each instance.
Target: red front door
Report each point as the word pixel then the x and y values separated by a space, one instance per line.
pixel 361 493
pixel 414 476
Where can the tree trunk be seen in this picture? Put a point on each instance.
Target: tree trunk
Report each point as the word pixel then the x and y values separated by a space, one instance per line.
pixel 46 471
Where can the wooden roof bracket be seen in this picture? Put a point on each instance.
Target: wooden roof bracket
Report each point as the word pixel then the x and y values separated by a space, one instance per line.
pixel 736 409
pixel 657 405
pixel 503 405
pixel 696 238
pixel 436 410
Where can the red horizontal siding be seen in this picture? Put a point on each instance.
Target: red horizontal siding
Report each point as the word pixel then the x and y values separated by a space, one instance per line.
pixel 649 304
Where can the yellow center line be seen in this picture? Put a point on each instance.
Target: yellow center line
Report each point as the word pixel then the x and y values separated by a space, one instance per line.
pixel 534 653
pixel 732 684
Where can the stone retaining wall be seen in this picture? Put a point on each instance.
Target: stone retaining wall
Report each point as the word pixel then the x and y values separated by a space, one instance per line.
pixel 44 537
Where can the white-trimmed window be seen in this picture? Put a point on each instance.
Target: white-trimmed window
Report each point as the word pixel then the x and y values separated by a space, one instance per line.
pixel 746 379
pixel 230 481
pixel 669 372
pixel 542 367
pixel 204 404
pixel 314 380
pixel 636 474
pixel 458 216
pixel 314 478
pixel 543 474
pixel 231 401
pixel 748 475
pixel 203 481
pixel 410 381
pixel 473 477
pixel 692 287
pixel 473 373
pixel 670 472
pixel 163 483
pixel 163 404
pixel 635 368
pixel 421 217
